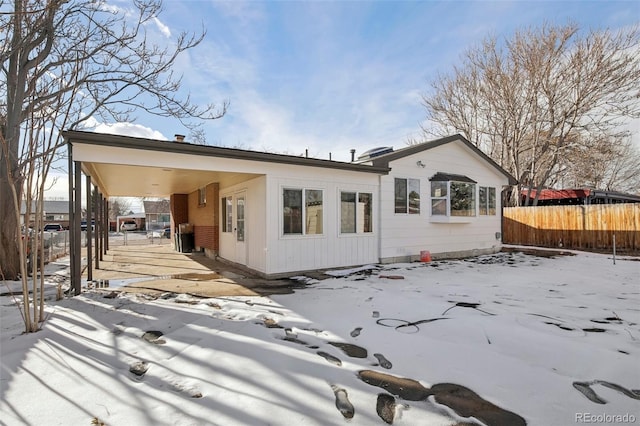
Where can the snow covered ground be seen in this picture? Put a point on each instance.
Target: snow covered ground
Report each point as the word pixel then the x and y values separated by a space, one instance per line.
pixel 496 339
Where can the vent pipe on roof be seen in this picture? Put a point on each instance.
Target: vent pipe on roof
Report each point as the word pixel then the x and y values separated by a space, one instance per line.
pixel 179 138
pixel 353 155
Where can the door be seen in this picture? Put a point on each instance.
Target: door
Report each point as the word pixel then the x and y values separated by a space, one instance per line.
pixel 240 228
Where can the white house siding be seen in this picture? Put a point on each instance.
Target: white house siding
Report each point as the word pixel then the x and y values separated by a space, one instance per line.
pixel 404 236
pixel 286 253
pixel 255 232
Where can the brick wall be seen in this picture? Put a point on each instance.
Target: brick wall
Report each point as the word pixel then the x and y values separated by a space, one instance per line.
pixel 205 218
pixel 179 210
pixel 206 237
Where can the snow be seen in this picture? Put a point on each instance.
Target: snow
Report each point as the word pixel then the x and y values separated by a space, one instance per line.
pixel 510 327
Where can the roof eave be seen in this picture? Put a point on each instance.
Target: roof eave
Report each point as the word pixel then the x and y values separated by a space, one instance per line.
pixel 104 139
pixel 384 160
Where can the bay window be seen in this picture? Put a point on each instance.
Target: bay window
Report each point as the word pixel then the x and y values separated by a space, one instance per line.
pixel 453 195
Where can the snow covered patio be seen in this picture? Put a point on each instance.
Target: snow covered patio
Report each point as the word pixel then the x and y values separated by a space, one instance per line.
pixel 497 339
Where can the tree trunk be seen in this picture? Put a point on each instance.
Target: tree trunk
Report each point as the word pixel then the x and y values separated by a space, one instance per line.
pixel 9 254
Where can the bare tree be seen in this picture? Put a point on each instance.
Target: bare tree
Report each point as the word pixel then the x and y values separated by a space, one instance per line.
pixel 538 99
pixel 118 206
pixel 609 163
pixel 65 61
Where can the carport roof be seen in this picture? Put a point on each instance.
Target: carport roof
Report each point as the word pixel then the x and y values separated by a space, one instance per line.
pixel 131 179
pixel 104 139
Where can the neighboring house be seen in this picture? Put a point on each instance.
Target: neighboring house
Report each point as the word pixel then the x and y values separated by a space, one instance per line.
pixel 584 196
pixel 157 214
pixel 53 212
pixel 279 214
pixel 130 219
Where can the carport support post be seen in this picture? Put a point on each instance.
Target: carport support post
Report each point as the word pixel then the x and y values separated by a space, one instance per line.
pixel 72 254
pixel 99 212
pixel 75 229
pixel 88 232
pixel 96 204
pixel 105 231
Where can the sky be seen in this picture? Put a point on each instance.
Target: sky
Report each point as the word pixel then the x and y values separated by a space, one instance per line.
pixel 329 76
pixel 552 341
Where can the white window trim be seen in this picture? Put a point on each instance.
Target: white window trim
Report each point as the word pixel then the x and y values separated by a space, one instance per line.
pixel 495 200
pixel 358 219
pixel 408 212
pixel 303 235
pixel 224 214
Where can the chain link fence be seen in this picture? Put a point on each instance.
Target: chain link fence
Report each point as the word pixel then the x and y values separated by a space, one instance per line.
pixel 57 244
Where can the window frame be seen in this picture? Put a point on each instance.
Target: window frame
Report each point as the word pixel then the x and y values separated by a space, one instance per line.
pixel 226 213
pixel 305 206
pixel 202 196
pixel 407 201
pixel 489 206
pixel 362 222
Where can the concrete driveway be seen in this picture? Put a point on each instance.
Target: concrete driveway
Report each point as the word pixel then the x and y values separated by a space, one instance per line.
pixel 157 269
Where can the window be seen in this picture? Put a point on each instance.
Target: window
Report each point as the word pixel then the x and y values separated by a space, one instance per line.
pixel 294 215
pixel 355 212
pixel 202 196
pixel 463 198
pixel 439 198
pixel 227 214
pixel 348 212
pixel 453 195
pixel 487 196
pixel 365 222
pixel 313 212
pixel 407 196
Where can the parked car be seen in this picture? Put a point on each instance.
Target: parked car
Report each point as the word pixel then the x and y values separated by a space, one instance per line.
pixel 128 225
pixel 83 225
pixel 53 227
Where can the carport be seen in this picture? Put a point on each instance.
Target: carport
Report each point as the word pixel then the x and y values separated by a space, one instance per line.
pixel 121 166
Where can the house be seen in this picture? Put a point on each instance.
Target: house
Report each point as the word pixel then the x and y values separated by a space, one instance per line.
pixel 278 215
pixel 584 196
pixel 157 214
pixel 54 211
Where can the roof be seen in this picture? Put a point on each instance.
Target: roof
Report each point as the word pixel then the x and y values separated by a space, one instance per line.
pixel 384 159
pixel 92 138
pixel 49 207
pixel 445 177
pixel 578 193
pixel 157 207
pixel 557 194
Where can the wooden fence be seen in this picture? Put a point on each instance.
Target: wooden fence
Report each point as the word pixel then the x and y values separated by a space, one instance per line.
pixel 577 227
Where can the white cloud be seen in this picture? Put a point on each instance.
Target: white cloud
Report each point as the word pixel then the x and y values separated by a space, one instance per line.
pixel 127 129
pixel 164 29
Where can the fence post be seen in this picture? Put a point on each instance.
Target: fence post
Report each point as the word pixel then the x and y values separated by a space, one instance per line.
pixel 614 248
